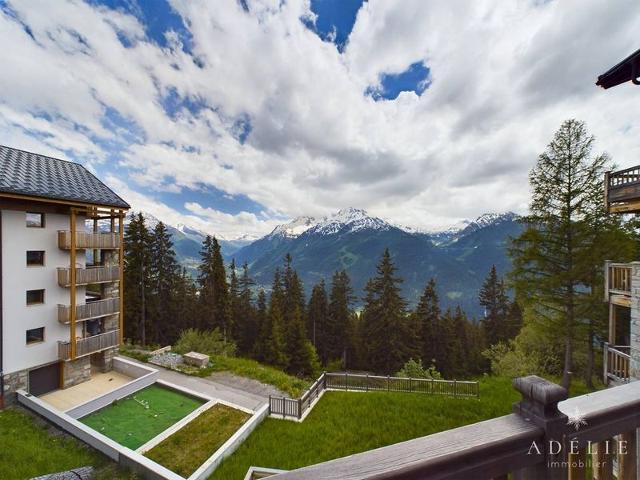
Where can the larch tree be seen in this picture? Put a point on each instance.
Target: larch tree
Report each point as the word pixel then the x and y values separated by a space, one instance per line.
pixel 552 257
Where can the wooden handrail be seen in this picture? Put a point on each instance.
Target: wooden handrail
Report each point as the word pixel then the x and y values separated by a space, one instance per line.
pixel 536 441
pixel 85 276
pixel 89 345
pixel 91 310
pixel 617 364
pixel 86 240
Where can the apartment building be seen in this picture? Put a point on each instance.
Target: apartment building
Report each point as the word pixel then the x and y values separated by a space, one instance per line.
pixel 61 264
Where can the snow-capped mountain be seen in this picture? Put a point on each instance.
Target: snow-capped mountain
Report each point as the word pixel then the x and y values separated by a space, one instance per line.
pixel 348 220
pixel 294 228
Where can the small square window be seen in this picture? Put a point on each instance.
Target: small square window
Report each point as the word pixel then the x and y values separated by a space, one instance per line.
pixel 35 220
pixel 35 335
pixel 35 258
pixel 35 297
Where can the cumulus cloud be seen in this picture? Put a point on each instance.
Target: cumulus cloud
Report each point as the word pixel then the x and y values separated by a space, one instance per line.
pixel 86 81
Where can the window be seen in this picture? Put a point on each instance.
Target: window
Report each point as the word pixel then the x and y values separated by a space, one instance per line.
pixel 35 258
pixel 35 297
pixel 35 335
pixel 35 220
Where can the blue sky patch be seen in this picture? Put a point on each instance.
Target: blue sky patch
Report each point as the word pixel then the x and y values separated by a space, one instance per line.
pixel 210 197
pixel 334 20
pixel 173 103
pixel 413 79
pixel 158 18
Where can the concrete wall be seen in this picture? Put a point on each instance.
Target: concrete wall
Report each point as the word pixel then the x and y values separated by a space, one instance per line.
pixel 148 469
pixel 142 377
pixel 18 278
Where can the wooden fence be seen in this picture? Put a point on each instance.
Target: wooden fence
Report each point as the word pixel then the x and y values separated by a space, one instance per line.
pixel 295 408
pixel 89 345
pixel 91 310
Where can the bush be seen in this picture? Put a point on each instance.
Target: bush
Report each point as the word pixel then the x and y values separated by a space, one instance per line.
pixel 335 366
pixel 414 369
pixel 207 342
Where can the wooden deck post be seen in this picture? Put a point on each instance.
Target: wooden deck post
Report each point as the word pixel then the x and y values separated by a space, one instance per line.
pixel 121 279
pixel 72 283
pixel 577 465
pixel 539 405
pixel 627 448
pixel 602 460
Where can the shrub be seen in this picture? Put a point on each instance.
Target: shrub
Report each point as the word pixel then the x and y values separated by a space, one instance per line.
pixel 414 369
pixel 208 342
pixel 335 365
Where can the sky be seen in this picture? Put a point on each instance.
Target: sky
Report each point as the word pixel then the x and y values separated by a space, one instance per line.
pixel 233 116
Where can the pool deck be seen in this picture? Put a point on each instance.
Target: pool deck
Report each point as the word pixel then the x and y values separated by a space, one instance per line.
pixel 99 384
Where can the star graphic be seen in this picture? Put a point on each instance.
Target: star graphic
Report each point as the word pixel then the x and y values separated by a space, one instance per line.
pixel 576 419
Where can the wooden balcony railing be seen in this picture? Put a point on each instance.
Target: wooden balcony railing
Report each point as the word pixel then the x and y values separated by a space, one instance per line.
pixel 618 279
pixel 89 275
pixel 89 240
pixel 89 345
pixel 617 363
pixel 89 311
pixel 546 437
pixel 622 190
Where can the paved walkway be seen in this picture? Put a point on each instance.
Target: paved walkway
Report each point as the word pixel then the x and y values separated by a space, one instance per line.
pixel 223 391
pixel 97 385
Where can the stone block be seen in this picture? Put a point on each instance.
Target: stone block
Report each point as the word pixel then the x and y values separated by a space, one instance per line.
pixel 196 359
pixel 76 371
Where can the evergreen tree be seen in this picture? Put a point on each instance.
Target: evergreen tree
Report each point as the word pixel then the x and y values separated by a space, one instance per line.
pixel 303 360
pixel 246 320
pixel 495 301
pixel 427 322
pixel 387 330
pixel 234 302
pixel 163 271
pixel 316 318
pixel 552 256
pixel 337 325
pixel 136 276
pixel 186 303
pixel 214 291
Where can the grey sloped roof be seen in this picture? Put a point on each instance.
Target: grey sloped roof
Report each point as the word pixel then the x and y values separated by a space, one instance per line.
pixel 26 173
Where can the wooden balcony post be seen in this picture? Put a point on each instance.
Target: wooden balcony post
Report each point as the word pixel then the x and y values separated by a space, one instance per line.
pixel 539 405
pixel 627 463
pixel 602 460
pixel 605 363
pixel 72 284
pixel 121 282
pixel 577 465
pixel 607 268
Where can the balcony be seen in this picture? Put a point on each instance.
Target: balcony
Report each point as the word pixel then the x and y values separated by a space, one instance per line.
pixel 618 283
pixel 89 345
pixel 103 241
pixel 617 362
pixel 85 276
pixel 89 311
pixel 622 190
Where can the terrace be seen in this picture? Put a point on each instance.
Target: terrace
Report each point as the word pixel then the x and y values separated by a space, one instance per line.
pixel 89 345
pixel 90 310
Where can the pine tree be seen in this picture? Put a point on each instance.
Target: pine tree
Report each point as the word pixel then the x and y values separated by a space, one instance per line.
pixel 316 318
pixel 551 257
pixel 303 360
pixel 137 278
pixel 234 302
pixel 246 320
pixel 336 329
pixel 427 321
pixel 186 303
pixel 214 291
pixel 263 326
pixel 494 299
pixel 388 333
pixel 163 271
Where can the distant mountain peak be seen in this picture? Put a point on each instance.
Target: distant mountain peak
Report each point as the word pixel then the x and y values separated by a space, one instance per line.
pixel 352 219
pixel 487 219
pixel 294 228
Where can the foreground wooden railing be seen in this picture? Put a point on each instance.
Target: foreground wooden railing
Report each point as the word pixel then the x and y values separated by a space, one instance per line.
pixel 544 438
pixel 296 407
pixel 89 275
pixel 89 240
pixel 617 363
pixel 89 345
pixel 91 310
pixel 617 279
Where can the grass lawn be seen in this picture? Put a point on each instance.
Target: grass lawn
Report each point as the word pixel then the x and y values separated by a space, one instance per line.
pixel 131 424
pixel 188 448
pixel 344 423
pixel 29 447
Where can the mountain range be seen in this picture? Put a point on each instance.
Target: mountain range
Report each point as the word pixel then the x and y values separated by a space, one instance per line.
pixel 458 258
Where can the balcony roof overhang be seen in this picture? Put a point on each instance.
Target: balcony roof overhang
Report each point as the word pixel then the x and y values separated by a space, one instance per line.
pixel 627 69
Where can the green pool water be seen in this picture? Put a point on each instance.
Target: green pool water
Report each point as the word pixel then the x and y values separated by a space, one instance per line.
pixel 136 419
